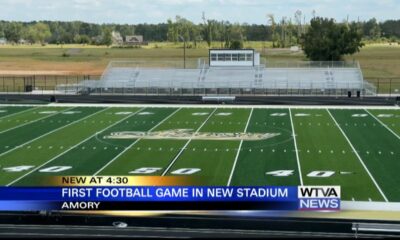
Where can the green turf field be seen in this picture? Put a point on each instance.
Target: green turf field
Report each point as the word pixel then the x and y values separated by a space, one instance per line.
pixel 356 148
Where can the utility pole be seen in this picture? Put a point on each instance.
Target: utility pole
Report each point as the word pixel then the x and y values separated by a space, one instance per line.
pixel 208 27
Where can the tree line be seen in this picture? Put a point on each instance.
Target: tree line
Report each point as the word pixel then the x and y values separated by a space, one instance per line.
pixel 58 32
pixel 284 32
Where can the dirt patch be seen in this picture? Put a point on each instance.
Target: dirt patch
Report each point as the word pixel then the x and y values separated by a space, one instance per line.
pixel 74 51
pixel 26 67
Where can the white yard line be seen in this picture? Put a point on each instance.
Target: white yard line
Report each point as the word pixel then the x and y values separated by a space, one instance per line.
pixel 13 114
pixel 136 141
pixel 295 147
pixel 187 143
pixel 238 151
pixel 76 145
pixel 44 135
pixel 358 156
pixel 383 124
pixel 37 120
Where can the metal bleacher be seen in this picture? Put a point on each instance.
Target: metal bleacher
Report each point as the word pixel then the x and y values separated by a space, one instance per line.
pixel 305 77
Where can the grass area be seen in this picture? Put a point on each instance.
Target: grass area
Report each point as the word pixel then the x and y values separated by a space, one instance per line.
pixel 9 111
pixel 380 158
pixel 316 132
pixel 256 159
pixel 202 154
pixel 107 150
pixel 377 60
pixel 77 141
pixel 46 121
pixel 39 152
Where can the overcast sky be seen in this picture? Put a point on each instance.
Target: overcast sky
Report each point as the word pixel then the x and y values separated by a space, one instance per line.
pixel 157 11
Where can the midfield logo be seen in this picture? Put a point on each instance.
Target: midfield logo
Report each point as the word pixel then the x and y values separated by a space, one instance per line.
pixel 316 198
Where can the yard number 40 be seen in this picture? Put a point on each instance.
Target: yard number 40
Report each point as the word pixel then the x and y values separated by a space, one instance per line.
pixel 314 174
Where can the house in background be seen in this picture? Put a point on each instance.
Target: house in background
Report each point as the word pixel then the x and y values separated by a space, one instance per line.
pixel 23 41
pixel 3 41
pixel 135 40
pixel 117 38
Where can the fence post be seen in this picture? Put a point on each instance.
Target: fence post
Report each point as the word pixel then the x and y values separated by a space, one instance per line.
pixel 66 85
pixel 377 86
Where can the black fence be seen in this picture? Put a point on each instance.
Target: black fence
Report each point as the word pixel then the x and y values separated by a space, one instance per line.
pixel 389 86
pixel 40 83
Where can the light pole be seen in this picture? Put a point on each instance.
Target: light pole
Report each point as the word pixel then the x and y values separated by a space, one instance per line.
pixel 184 50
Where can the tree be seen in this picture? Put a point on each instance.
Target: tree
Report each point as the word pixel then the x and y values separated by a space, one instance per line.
pixel 172 34
pixel 298 18
pixel 38 33
pixel 271 21
pixel 29 34
pixel 82 39
pixel 13 32
pixel 107 37
pixel 207 30
pixel 195 34
pixel 184 28
pixel 220 29
pixel 1 29
pixel 226 34
pixel 125 30
pixel 372 29
pixel 236 36
pixel 236 44
pixel 329 41
pixel 283 32
pixel 391 28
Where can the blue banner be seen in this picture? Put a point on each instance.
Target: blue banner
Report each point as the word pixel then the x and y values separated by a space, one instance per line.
pixel 167 198
pixel 150 193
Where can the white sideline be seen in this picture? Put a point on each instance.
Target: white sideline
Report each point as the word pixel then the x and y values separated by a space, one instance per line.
pixel 358 156
pixel 383 124
pixel 238 151
pixel 186 144
pixel 210 106
pixel 295 147
pixel 32 140
pixel 86 139
pixel 136 141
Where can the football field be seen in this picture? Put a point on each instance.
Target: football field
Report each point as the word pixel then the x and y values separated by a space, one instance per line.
pixel 355 148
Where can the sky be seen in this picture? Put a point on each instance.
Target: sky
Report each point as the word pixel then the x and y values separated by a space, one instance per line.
pixel 158 11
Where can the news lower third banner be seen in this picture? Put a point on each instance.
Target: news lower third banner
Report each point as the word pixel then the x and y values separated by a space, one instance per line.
pixel 154 197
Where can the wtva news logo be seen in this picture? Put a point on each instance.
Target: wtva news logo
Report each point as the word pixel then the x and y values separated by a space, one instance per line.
pixel 319 198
